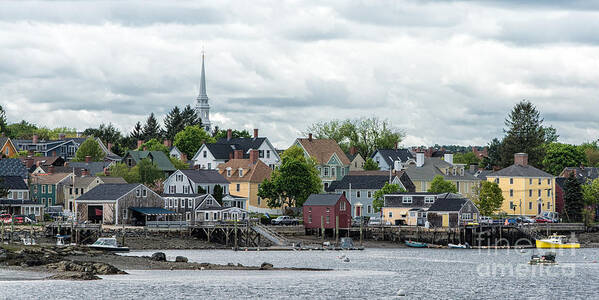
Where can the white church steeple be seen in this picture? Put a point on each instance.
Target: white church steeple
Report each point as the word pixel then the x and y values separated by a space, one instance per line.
pixel 202 106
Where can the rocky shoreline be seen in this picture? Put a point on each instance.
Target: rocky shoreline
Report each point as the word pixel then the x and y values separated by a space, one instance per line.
pixel 82 263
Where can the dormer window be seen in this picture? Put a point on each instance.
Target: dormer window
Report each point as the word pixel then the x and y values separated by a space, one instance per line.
pixel 228 172
pixel 205 153
pixel 454 171
pixel 240 172
pixel 462 172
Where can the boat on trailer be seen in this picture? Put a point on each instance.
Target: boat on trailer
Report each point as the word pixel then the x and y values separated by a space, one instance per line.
pixel 108 244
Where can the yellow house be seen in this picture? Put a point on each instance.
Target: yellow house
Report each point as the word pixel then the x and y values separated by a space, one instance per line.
pixel 7 147
pixel 526 189
pixel 245 176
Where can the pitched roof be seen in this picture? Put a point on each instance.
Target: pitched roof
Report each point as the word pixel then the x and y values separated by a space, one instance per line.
pixel 13 167
pixel 111 179
pixel 323 149
pixel 13 183
pixel 158 157
pixel 108 191
pixel 430 169
pixel 391 155
pixel 322 199
pixel 220 151
pixel 252 172
pixel 448 204
pixel 583 174
pixel 360 182
pixel 44 160
pixel 82 182
pixel 244 144
pixel 93 167
pixel 520 171
pixel 3 140
pixel 53 178
pixel 205 176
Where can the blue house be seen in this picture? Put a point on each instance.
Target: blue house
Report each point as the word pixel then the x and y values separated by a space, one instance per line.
pixel 64 147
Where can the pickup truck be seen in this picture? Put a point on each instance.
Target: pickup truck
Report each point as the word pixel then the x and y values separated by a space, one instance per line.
pixel 284 220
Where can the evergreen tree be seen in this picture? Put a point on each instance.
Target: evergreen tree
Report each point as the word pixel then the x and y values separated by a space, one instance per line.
pixel 494 158
pixel 217 193
pixel 371 165
pixel 151 129
pixel 525 133
pixel 573 199
pixel 137 133
pixel 190 117
pixel 3 125
pixel 173 123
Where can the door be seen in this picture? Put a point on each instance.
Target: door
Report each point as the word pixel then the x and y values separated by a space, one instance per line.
pixel 539 207
pixel 358 211
pixel 445 220
pixel 95 213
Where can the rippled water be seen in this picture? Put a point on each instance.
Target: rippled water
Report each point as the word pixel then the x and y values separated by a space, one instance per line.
pixel 373 273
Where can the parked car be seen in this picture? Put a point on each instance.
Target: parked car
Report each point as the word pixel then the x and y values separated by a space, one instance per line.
pixel 486 220
pixel 5 218
pixel 284 220
pixel 355 221
pixel 374 221
pixel 525 219
pixel 543 220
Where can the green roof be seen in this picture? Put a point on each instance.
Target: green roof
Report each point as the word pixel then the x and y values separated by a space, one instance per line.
pixel 157 157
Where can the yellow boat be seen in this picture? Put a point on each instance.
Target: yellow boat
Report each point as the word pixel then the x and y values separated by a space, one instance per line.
pixel 555 242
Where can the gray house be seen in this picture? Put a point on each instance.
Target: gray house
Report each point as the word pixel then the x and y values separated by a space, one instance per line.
pixel 195 182
pixel 359 188
pixel 452 212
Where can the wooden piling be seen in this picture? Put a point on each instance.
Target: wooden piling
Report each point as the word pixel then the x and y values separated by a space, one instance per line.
pixel 337 230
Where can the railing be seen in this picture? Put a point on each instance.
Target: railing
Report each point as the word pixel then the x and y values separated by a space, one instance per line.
pixel 166 224
pixel 270 235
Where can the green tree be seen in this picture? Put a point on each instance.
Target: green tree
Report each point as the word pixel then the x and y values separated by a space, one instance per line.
pixel 525 133
pixel 222 134
pixel 173 123
pixel 293 181
pixel 573 199
pixel 494 158
pixel 131 175
pixel 371 165
pixel 106 133
pixel 190 117
pixel 89 148
pixel 179 164
pixel 489 198
pixel 3 124
pixel 218 193
pixel 155 145
pixel 559 156
pixel 190 140
pixel 591 152
pixel 379 199
pixel 468 158
pixel 22 130
pixel 149 172
pixel 440 185
pixel 137 133
pixel 4 188
pixel 151 129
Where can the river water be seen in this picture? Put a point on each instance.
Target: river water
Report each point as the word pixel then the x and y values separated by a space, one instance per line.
pixel 372 273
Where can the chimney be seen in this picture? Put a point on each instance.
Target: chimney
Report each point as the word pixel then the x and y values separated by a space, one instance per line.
pixel 106 172
pixel 184 157
pixel 309 137
pixel 229 134
pixel 34 139
pixel 167 143
pixel 255 133
pixel 145 148
pixel 521 159
pixel 84 172
pixel 253 156
pixel 139 143
pixel 238 154
pixel 448 158
pixel 353 150
pixel 109 147
pixel 88 159
pixel 419 159
pixel 50 169
pixel 54 153
pixel 66 164
pixel 230 155
pixel 397 166
pixel 29 162
pixel 38 163
pixel 396 145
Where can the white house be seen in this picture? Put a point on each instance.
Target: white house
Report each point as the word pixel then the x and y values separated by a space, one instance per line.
pixel 389 159
pixel 194 182
pixel 209 156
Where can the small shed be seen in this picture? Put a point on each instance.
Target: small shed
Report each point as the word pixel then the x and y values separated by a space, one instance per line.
pixel 326 208
pixel 452 212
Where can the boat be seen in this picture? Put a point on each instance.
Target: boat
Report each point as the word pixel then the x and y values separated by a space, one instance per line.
pixel 415 244
pixel 28 241
pixel 547 259
pixel 108 244
pixel 458 246
pixel 555 242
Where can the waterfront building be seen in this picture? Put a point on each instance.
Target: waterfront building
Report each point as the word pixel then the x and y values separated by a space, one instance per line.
pixel 332 162
pixel 323 211
pixel 451 211
pixel 17 201
pixel 526 189
pixel 408 208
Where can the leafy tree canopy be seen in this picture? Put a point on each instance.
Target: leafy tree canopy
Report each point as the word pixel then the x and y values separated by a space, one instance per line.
pixel 179 164
pixel 489 198
pixel 559 156
pixel 468 158
pixel 371 165
pixel 149 172
pixel 222 134
pixel 190 140
pixel 440 185
pixel 155 145
pixel 106 133
pixel 89 148
pixel 379 200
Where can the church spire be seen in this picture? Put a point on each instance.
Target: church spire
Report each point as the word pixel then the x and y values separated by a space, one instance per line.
pixel 202 106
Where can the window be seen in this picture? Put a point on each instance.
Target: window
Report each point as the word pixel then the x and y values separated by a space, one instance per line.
pixel 20 195
pixel 390 214
pixel 539 192
pixel 137 193
pixel 530 205
pixel 186 190
pixel 188 216
pixel 539 180
pixel 176 203
pixel 342 172
pixel 209 201
pixel 259 201
pixel 50 188
pixel 548 205
pixel 342 206
pixel 511 180
pixel 309 218
pixel 44 188
pixel 206 216
pixel 369 209
pixel 170 202
pixel 125 213
pixel 328 209
pixel 144 193
pixel 358 194
pixel 70 191
pixel 171 189
pixel 326 171
pixel 165 202
pixel 328 219
pixel 529 193
pixel 183 203
pixel 267 153
pixel 548 192
pixel 261 153
pixel 179 177
pixel 497 180
pixel 44 201
pixel 369 193
pixel 511 193
pixel 228 172
pixel 237 187
pixel 190 203
pixel 530 181
pixel 406 199
pixel 310 209
pixel 240 172
pixel 549 181
pixel 209 166
pixel 333 171
pixel 466 216
pixel 512 207
pixel 205 153
pixel 457 186
pixel 429 199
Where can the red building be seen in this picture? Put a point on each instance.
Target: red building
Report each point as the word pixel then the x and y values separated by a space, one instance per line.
pixel 326 207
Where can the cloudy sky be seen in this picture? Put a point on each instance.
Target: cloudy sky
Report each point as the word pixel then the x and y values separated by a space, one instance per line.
pixel 445 72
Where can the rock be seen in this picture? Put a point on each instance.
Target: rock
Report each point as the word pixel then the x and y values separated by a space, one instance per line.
pixel 181 259
pixel 240 265
pixel 158 256
pixel 266 266
pixel 74 276
pixel 231 264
